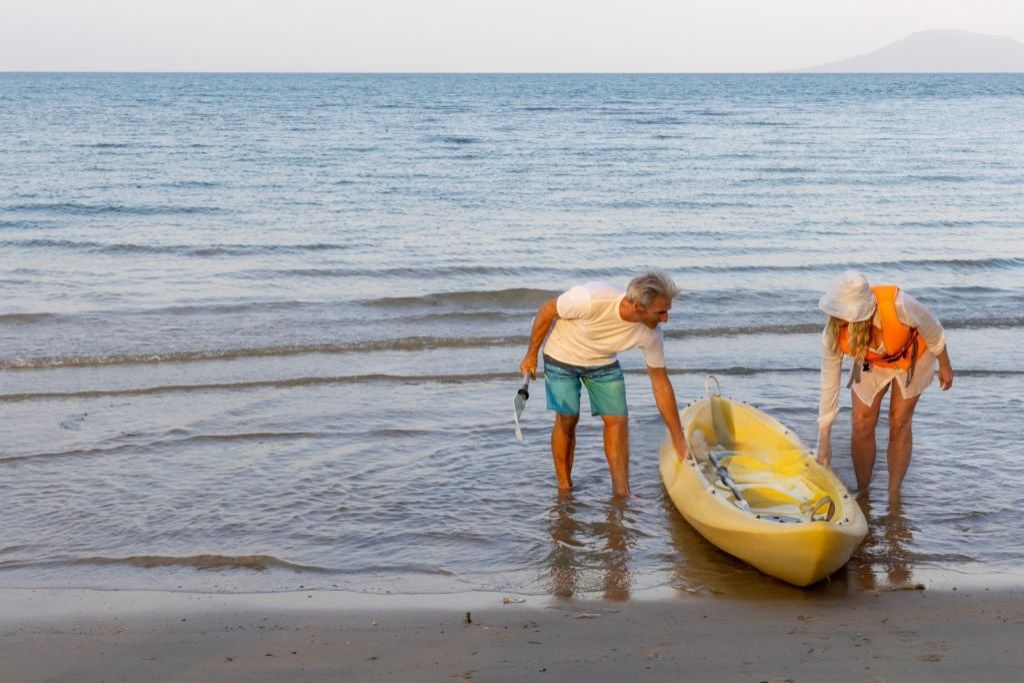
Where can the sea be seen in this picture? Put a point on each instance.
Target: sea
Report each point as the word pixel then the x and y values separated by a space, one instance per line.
pixel 261 332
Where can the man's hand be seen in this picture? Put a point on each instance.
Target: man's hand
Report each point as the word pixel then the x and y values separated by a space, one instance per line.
pixel 682 454
pixel 529 365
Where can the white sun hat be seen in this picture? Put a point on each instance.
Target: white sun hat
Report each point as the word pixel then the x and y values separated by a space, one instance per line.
pixel 850 298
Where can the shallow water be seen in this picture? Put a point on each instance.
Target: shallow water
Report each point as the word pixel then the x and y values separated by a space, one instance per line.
pixel 261 332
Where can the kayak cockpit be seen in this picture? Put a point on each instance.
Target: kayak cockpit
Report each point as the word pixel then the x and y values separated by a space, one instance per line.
pixel 760 466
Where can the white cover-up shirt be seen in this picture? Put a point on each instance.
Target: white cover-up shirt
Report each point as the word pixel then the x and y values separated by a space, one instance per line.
pixel 590 331
pixel 910 312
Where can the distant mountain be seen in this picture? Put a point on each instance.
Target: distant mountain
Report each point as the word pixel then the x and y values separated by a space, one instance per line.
pixel 936 51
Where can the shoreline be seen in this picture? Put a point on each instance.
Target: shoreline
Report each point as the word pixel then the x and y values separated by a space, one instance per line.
pixel 135 635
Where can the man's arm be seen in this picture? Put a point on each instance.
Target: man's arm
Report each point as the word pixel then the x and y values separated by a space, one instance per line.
pixel 546 315
pixel 665 398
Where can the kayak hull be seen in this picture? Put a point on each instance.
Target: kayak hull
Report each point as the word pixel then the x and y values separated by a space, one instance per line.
pixel 800 552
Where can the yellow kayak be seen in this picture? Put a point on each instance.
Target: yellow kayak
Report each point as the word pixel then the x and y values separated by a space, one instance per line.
pixel 755 491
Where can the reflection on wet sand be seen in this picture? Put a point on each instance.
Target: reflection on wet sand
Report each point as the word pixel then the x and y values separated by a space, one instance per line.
pixel 588 556
pixel 883 560
pixel 591 547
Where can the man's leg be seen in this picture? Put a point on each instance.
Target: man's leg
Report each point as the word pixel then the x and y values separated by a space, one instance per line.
pixel 607 389
pixel 563 448
pixel 562 388
pixel 616 450
pixel 901 439
pixel 862 438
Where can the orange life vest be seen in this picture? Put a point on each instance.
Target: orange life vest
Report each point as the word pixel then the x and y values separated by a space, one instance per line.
pixel 902 343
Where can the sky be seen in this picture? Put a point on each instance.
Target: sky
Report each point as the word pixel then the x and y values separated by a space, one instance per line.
pixel 472 35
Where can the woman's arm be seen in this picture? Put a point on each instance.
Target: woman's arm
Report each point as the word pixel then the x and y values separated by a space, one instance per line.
pixel 828 403
pixel 912 312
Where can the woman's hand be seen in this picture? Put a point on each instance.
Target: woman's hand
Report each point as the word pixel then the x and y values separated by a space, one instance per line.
pixel 824 456
pixel 946 378
pixel 945 371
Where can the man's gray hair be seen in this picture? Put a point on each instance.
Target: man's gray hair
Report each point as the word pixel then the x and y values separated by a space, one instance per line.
pixel 655 282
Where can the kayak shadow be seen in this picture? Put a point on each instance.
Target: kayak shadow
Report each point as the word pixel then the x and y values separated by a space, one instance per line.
pixel 700 568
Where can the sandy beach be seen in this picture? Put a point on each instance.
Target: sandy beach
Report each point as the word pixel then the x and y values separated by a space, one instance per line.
pixel 898 635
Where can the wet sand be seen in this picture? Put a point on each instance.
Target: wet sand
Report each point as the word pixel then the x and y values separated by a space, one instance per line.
pixel 897 635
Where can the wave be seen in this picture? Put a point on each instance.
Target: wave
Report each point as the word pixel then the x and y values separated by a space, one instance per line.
pixel 737 330
pixel 96 317
pixel 671 204
pixel 27 224
pixel 945 223
pixel 520 271
pixel 454 139
pixel 523 298
pixel 655 121
pixel 1001 322
pixel 254 384
pixel 964 264
pixel 81 209
pixel 403 344
pixel 760 123
pixel 464 378
pixel 991 322
pixel 135 448
pixel 347 379
pixel 220 308
pixel 517 296
pixel 941 178
pixel 427 272
pixel 178 249
pixel 191 184
pixel 784 169
pixel 105 145
pixel 26 318
pixel 213 562
pixel 201 562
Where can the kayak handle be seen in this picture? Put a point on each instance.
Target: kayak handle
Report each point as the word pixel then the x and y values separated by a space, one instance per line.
pixel 825 500
pixel 707 386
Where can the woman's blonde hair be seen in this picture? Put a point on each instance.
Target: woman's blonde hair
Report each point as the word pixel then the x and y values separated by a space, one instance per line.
pixel 860 336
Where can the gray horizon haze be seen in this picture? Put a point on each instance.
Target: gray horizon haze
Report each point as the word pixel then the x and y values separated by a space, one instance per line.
pixel 599 36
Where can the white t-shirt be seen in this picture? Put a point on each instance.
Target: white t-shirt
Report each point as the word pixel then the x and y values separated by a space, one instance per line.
pixel 590 331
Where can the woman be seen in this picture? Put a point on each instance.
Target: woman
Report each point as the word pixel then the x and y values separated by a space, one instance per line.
pixel 894 341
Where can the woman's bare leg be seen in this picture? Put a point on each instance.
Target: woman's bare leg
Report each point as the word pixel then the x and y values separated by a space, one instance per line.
pixel 901 439
pixel 862 438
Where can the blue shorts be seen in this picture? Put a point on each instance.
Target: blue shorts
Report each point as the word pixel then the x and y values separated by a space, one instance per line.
pixel 605 385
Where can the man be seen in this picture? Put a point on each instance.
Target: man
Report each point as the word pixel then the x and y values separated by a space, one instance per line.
pixel 592 323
